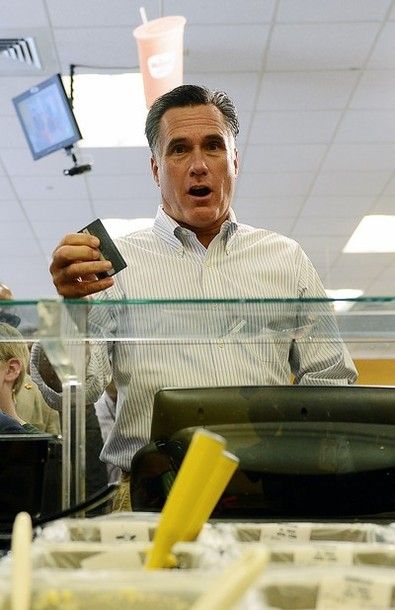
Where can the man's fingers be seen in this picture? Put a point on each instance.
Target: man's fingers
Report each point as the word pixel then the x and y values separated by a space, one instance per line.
pixel 79 239
pixel 84 270
pixel 78 290
pixel 67 254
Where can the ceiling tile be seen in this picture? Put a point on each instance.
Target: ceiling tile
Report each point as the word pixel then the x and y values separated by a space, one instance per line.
pixel 6 190
pixel 290 11
pixel 20 228
pixel 390 188
pixel 119 161
pixel 48 230
pixel 19 13
pixel 360 157
pixel 325 225
pixel 279 184
pixel 127 187
pixel 340 207
pixel 383 55
pixel 367 126
pixel 324 245
pixel 51 187
pixel 19 162
pixel 267 207
pixel 32 282
pixel 375 91
pixel 382 286
pixel 240 87
pixel 306 90
pixel 11 133
pixel 76 211
pixel 349 184
pixel 242 45
pixel 104 47
pixel 321 46
pixel 221 11
pixel 130 208
pixel 75 13
pixel 384 205
pixel 273 158
pixel 293 127
pixel 278 225
pixel 10 211
pixel 365 263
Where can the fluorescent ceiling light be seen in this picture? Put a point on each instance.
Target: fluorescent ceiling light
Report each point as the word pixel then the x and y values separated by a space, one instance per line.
pixel 343 293
pixel 110 109
pixel 374 233
pixel 117 227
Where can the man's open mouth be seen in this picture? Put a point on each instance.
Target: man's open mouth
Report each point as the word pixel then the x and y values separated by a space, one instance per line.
pixel 199 191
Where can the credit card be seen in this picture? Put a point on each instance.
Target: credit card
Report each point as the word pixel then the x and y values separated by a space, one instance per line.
pixel 107 248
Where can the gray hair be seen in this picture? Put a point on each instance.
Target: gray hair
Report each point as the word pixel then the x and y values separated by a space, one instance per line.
pixel 189 95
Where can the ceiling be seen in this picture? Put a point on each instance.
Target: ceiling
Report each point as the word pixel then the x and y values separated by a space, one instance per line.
pixel 314 82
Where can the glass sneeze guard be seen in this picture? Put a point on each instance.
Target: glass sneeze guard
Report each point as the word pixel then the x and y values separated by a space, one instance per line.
pixel 186 342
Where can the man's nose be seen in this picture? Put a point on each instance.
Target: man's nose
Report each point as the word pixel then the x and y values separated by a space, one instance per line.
pixel 197 163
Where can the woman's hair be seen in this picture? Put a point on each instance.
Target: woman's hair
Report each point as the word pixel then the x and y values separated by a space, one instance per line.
pixel 189 95
pixel 14 347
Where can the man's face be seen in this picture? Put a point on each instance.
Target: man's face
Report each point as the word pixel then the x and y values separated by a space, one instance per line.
pixel 195 166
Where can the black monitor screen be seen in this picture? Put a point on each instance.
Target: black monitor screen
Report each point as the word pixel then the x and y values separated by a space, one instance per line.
pixel 46 117
pixel 177 408
pixel 304 451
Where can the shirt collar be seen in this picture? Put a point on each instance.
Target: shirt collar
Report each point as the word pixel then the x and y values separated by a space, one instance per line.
pixel 168 229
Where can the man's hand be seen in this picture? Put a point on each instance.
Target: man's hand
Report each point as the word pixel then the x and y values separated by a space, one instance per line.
pixel 75 263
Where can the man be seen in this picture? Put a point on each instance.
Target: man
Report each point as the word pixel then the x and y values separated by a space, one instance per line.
pixel 196 250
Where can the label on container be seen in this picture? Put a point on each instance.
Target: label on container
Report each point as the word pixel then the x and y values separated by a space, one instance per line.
pixel 111 531
pixel 323 554
pixel 286 532
pixel 354 592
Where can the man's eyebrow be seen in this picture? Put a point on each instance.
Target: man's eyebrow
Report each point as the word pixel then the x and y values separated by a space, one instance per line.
pixel 214 137
pixel 176 141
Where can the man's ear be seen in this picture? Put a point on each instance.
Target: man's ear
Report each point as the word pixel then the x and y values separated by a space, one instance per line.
pixel 13 369
pixel 236 162
pixel 155 170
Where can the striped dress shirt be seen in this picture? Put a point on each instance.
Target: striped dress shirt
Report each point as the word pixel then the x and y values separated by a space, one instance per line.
pixel 150 346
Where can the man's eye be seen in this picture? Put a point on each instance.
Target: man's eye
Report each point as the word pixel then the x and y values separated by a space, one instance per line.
pixel 213 145
pixel 178 149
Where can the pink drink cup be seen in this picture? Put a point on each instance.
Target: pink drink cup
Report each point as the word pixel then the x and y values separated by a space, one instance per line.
pixel 160 48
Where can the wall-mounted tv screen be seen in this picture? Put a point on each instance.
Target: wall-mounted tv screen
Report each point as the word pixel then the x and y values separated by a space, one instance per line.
pixel 46 117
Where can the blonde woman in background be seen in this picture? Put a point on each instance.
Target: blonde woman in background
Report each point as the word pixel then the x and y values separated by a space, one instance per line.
pixel 14 358
pixel 31 406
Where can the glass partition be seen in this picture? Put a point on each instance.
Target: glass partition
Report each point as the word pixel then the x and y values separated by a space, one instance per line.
pixel 80 347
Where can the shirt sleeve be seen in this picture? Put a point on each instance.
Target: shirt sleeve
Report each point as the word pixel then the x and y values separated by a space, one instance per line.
pixel 318 354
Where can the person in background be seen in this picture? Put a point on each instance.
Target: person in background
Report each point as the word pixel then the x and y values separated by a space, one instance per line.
pixel 31 406
pixel 196 249
pixel 9 425
pixel 5 293
pixel 14 358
